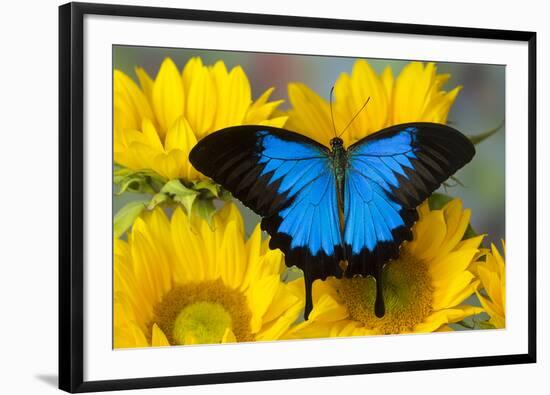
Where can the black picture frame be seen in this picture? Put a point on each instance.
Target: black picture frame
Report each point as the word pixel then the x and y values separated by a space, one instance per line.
pixel 71 196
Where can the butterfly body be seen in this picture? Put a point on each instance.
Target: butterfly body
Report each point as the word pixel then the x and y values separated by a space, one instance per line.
pixel 334 211
pixel 339 164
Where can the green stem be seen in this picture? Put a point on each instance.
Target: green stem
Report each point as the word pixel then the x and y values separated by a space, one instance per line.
pixel 485 135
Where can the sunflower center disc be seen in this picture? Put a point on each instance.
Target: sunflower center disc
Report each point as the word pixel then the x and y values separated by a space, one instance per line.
pixel 407 294
pixel 202 312
pixel 205 322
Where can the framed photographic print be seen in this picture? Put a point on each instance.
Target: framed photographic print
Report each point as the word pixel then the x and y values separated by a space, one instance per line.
pixel 253 197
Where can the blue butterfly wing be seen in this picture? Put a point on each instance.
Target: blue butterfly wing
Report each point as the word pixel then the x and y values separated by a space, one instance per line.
pixel 389 174
pixel 288 179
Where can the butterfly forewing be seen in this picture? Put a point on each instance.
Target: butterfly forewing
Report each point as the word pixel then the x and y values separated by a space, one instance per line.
pixel 286 178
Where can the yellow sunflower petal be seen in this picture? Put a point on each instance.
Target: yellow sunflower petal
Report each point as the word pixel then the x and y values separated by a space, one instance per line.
pixel 457 221
pixel 234 98
pixel 439 108
pixel 494 311
pixel 201 101
pixel 253 250
pixel 388 81
pixel 492 276
pixel 128 297
pixel 159 338
pixel 349 329
pixel 312 115
pixel 144 250
pixel 167 164
pixel 260 110
pixel 260 296
pixel 491 283
pixel 411 88
pixel 455 292
pixel 365 83
pixel 130 103
pixel 188 247
pixel 181 139
pixel 193 67
pixel 168 95
pixel 231 255
pixel 272 263
pixel 229 336
pixel 277 328
pixel 473 242
pixel 428 235
pixel 159 225
pixel 282 302
pixel 129 336
pixel 150 135
pixel 230 214
pixel 449 267
pixel 327 310
pixel 146 83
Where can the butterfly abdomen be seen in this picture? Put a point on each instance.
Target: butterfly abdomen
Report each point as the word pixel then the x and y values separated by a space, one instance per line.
pixel 339 166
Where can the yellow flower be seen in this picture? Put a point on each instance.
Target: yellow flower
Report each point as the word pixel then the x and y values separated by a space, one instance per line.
pixel 492 275
pixel 180 281
pixel 423 289
pixel 157 123
pixel 414 96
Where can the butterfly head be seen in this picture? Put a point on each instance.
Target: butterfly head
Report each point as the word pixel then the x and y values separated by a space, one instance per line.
pixel 336 142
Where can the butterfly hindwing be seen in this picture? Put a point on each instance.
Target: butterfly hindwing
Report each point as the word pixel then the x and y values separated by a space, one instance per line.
pixel 287 179
pixel 389 174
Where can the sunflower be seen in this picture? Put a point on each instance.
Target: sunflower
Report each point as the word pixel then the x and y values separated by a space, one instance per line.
pixel 157 123
pixel 492 275
pixel 414 96
pixel 424 289
pixel 180 281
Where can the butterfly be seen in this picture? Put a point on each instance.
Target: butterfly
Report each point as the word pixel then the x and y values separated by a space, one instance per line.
pixel 334 211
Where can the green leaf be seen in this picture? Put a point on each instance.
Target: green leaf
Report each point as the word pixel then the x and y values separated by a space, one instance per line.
pixel 204 209
pixel 291 273
pixel 485 135
pixel 142 181
pixel 470 232
pixel 181 194
pixel 207 185
pixel 438 200
pixel 175 187
pixel 126 216
pixel 465 324
pixel 132 184
pixel 156 200
pixel 225 195
pixel 485 325
pixel 122 171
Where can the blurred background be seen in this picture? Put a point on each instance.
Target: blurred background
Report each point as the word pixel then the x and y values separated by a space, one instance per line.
pixel 479 107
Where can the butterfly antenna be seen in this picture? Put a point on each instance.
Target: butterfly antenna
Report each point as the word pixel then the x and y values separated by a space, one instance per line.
pixel 331 113
pixel 355 116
